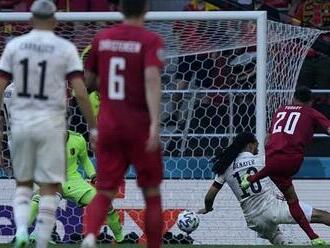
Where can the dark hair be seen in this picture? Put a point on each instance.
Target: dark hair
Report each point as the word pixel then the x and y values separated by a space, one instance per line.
pixel 223 159
pixel 303 94
pixel 133 8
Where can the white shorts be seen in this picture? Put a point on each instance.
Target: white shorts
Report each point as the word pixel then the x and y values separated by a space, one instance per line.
pixel 38 153
pixel 266 224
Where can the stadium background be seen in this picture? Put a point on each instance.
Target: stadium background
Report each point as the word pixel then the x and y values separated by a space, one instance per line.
pixel 315 171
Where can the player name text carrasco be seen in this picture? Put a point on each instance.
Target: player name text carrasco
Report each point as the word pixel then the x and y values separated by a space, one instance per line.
pixel 41 48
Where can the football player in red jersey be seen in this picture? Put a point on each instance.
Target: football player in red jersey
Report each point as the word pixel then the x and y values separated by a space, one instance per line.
pixel 127 59
pixel 292 128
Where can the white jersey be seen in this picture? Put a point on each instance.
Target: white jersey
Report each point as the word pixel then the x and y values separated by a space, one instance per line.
pixel 40 64
pixel 254 200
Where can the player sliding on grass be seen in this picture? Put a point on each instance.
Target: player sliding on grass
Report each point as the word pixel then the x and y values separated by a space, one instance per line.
pixel 291 129
pixel 75 187
pixel 262 208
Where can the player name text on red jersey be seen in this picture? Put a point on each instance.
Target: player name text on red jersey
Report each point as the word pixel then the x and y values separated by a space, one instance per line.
pixel 120 46
pixel 293 107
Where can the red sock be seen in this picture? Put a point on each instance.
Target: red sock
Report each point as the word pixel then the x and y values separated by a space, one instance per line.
pixel 153 222
pixel 96 213
pixel 264 172
pixel 299 216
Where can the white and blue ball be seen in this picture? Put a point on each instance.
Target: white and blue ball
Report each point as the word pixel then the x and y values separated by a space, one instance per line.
pixel 188 221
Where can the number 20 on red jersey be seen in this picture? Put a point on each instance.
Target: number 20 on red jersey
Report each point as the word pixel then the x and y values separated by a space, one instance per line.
pixel 286 125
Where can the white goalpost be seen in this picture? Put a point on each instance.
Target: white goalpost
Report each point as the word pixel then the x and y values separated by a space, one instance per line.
pixel 225 72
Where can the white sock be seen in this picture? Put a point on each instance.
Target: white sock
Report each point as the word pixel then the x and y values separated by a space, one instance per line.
pixel 46 219
pixel 89 241
pixel 22 208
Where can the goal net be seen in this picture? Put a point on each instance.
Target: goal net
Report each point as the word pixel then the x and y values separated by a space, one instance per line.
pixel 209 84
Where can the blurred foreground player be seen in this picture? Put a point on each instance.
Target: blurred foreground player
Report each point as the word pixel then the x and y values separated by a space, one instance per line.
pixel 127 58
pixel 76 188
pixel 40 63
pixel 238 159
pixel 292 128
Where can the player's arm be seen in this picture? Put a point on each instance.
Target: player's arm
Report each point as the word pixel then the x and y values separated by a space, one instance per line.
pixel 210 197
pixel 322 121
pixel 91 80
pixel 5 77
pixel 153 63
pixel 91 67
pixel 5 69
pixel 85 161
pixel 75 77
pixel 153 95
pixel 81 95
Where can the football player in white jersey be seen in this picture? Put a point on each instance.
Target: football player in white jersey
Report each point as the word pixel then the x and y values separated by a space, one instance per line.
pixel 241 158
pixel 40 64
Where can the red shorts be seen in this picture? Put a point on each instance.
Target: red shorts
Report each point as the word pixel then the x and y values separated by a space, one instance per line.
pixel 282 167
pixel 115 153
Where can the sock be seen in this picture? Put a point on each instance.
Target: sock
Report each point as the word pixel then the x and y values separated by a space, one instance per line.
pixel 46 219
pixel 113 222
pixel 22 200
pixel 95 215
pixel 153 221
pixel 34 208
pixel 259 175
pixel 299 216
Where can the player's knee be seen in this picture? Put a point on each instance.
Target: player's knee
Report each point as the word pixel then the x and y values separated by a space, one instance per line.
pixel 151 191
pixel 108 193
pixel 87 197
pixel 49 189
pixel 24 184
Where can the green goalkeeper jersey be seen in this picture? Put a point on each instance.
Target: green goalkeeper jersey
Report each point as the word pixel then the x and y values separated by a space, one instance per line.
pixel 76 151
pixel 94 98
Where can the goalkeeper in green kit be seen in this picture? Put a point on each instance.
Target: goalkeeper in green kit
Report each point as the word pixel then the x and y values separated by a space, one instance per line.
pixel 76 188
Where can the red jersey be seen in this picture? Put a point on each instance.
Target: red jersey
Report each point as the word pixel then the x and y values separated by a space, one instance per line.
pixel 292 129
pixel 119 56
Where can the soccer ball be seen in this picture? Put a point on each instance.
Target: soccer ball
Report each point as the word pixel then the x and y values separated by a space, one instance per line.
pixel 187 221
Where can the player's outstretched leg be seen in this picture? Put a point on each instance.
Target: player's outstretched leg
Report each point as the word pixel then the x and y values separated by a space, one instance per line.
pixel 113 219
pixel 34 208
pixel 96 213
pixel 320 216
pixel 113 222
pixel 33 215
pixel 22 206
pixel 295 210
pixel 249 179
pixel 153 217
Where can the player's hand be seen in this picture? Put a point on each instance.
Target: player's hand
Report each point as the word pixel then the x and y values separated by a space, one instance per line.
pixel 93 180
pixel 93 138
pixel 153 139
pixel 204 211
